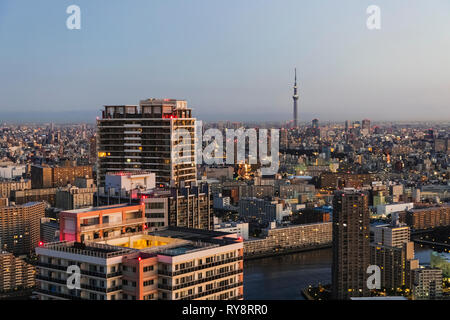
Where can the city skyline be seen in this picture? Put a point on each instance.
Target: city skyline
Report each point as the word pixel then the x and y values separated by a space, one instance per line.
pixel 239 69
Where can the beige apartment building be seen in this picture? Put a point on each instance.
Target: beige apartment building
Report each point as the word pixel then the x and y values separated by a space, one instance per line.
pixel 15 273
pixel 172 264
pixel 291 238
pixel 20 227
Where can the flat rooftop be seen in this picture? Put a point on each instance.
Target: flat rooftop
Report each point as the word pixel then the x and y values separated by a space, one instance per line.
pixel 173 241
pixel 89 249
pixel 190 234
pixel 93 209
pixel 379 298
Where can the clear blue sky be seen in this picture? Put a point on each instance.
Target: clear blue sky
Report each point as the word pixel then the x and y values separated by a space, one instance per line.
pixel 230 59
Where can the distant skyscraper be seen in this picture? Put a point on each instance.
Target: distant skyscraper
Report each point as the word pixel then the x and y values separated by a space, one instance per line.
pixel 347 125
pixel 295 97
pixel 351 244
pixel 315 123
pixel 366 125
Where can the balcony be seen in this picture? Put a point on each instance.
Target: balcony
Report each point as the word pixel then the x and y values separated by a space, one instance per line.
pixel 58 294
pixel 207 293
pixel 83 272
pixel 193 283
pixel 201 267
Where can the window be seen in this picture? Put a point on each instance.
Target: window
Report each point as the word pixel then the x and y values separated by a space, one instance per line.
pixel 148 268
pixel 155 205
pixel 148 283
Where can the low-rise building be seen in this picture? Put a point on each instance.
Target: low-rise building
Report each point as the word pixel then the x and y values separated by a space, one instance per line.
pixel 289 239
pixel 73 197
pixel 101 222
pixel 239 228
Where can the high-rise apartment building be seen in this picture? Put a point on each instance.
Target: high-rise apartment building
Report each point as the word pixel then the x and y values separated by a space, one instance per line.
pixel 15 273
pixel 351 244
pixel 192 207
pixel 397 265
pixel 148 137
pixel 20 227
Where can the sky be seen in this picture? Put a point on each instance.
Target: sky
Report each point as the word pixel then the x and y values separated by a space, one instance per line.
pixel 231 60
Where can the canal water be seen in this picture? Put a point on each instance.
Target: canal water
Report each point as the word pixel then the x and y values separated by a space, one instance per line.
pixel 283 277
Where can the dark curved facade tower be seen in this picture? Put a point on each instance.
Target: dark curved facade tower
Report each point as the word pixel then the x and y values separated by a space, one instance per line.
pixel 351 244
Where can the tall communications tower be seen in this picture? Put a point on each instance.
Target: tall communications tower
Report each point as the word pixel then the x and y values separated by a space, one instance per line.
pixel 295 97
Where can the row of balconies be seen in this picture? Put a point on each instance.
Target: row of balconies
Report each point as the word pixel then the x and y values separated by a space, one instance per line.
pixel 209 292
pixel 200 267
pixel 83 272
pixel 199 281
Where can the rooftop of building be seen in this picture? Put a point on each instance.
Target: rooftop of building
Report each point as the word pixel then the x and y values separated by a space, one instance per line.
pixel 379 298
pixel 90 249
pixel 26 205
pixel 129 173
pixel 190 234
pixel 427 208
pixel 94 209
pixel 172 241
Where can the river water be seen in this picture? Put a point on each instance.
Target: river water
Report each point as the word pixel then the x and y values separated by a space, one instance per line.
pixel 283 277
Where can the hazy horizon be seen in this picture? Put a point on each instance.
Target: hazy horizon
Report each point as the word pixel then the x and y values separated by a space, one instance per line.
pixel 230 60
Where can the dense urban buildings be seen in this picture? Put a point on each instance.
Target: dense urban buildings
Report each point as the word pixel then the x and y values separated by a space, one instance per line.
pixel 406 193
